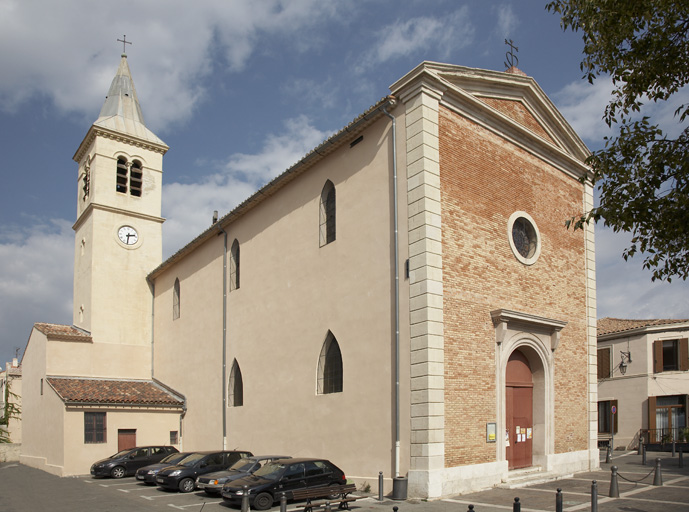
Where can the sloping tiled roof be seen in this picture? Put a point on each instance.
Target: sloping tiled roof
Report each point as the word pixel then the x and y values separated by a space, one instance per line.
pixel 62 332
pixel 113 391
pixel 612 325
pixel 343 136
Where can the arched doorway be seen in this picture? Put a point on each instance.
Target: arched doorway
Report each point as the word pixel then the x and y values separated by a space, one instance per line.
pixel 519 411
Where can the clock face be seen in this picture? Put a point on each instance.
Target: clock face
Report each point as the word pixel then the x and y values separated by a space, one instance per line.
pixel 128 235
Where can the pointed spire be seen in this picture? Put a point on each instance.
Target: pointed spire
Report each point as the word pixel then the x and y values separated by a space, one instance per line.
pixel 121 111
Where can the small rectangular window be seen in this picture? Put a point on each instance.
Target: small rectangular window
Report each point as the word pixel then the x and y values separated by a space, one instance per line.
pixel 670 355
pixel 606 418
pixel 95 429
pixel 174 437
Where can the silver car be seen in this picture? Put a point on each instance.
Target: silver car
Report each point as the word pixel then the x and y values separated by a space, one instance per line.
pixel 212 482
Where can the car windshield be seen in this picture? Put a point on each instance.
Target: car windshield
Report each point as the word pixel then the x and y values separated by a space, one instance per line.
pixel 192 459
pixel 121 454
pixel 271 471
pixel 243 465
pixel 175 457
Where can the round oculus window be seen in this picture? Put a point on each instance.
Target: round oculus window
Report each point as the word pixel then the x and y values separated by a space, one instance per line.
pixel 524 238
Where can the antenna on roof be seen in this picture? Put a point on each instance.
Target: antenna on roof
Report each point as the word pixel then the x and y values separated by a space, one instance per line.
pixel 512 59
pixel 124 43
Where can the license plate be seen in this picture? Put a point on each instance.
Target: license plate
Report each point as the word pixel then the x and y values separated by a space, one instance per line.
pixel 160 480
pixel 139 477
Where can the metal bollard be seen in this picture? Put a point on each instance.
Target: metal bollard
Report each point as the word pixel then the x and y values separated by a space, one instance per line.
pixel 327 507
pixel 245 499
pixel 380 486
pixel 607 455
pixel 643 454
pixel 681 458
pixel 516 506
pixel 594 496
pixel 395 509
pixel 638 448
pixel 471 508
pixel 614 489
pixel 283 502
pixel 673 447
pixel 558 500
pixel 658 478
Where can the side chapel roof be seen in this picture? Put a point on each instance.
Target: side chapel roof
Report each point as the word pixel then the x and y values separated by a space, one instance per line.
pixel 75 391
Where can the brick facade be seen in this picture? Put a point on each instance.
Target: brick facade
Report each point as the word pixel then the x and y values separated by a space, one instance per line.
pixel 485 179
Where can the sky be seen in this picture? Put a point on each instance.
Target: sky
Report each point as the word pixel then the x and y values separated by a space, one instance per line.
pixel 240 90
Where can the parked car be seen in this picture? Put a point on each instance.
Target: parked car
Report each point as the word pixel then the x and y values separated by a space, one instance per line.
pixel 128 461
pixel 147 474
pixel 183 476
pixel 267 484
pixel 212 482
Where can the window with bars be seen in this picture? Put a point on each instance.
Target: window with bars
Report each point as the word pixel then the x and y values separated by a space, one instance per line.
pixel 330 367
pixel 95 427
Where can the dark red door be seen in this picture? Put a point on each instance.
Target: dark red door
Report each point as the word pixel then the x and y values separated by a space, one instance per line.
pixel 126 438
pixel 519 410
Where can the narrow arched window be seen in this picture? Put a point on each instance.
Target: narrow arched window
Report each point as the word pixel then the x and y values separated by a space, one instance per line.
pixel 234 265
pixel 327 214
pixel 330 367
pixel 122 176
pixel 176 300
pixel 135 179
pixel 235 389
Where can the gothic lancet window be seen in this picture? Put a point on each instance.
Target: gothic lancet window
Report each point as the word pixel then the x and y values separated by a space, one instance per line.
pixel 234 265
pixel 327 214
pixel 235 391
pixel 330 367
pixel 176 300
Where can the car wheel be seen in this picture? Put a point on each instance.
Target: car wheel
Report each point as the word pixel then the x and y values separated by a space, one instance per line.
pixel 263 501
pixel 117 472
pixel 186 485
pixel 334 495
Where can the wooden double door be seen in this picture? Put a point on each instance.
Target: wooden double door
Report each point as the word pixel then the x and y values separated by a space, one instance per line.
pixel 519 411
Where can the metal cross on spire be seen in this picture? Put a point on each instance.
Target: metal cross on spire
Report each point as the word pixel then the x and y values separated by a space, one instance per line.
pixel 511 56
pixel 124 43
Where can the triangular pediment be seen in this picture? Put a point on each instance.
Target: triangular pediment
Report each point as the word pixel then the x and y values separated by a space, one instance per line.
pixel 510 104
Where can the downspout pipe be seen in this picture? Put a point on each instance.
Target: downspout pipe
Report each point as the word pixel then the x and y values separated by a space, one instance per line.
pixel 392 103
pixel 224 337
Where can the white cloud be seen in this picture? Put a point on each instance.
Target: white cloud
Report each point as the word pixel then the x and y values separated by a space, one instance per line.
pixel 506 22
pixel 176 44
pixel 420 35
pixel 36 268
pixel 625 289
pixel 583 105
pixel 189 207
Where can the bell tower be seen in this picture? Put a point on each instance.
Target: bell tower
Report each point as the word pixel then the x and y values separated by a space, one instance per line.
pixel 118 231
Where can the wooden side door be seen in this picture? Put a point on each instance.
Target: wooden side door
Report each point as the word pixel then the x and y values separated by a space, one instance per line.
pixel 126 438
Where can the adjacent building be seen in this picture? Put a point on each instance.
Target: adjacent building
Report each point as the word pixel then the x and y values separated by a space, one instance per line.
pixel 643 376
pixel 403 299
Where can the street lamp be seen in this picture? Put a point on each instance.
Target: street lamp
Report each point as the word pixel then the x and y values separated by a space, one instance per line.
pixel 626 358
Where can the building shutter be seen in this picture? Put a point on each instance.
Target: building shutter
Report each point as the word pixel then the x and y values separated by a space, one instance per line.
pixel 657 358
pixel 683 355
pixel 604 363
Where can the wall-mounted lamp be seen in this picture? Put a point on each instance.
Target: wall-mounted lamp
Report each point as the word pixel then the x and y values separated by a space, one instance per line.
pixel 626 358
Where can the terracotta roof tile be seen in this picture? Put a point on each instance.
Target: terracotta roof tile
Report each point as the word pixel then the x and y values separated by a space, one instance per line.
pixel 113 391
pixel 62 331
pixel 611 325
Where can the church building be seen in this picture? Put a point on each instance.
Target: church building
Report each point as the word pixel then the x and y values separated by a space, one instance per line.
pixel 403 299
